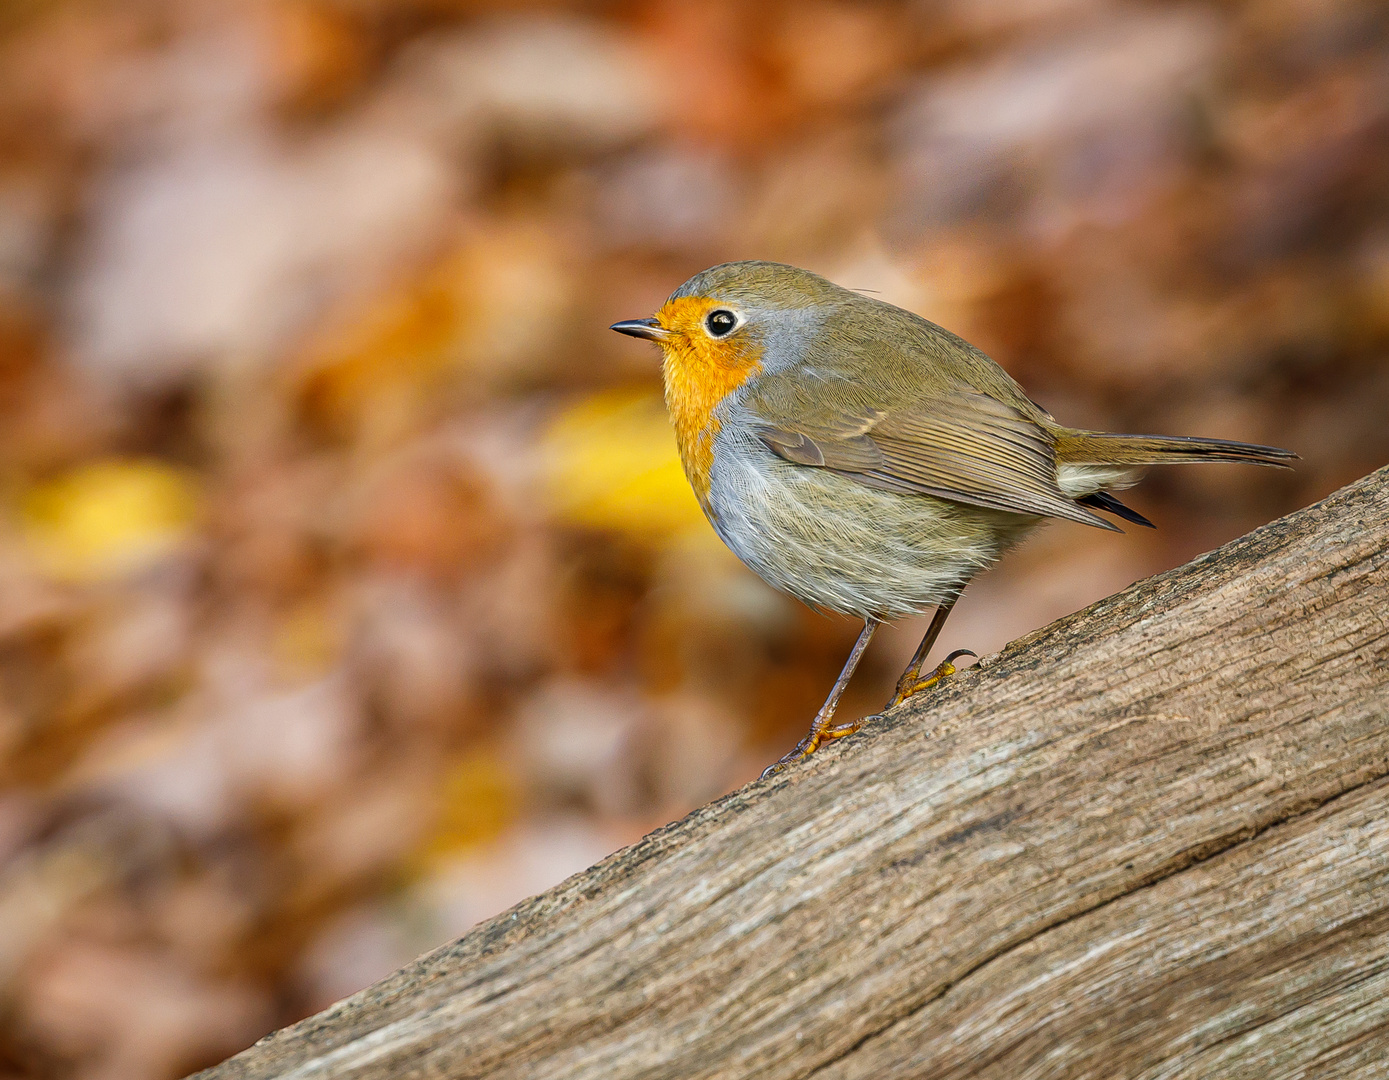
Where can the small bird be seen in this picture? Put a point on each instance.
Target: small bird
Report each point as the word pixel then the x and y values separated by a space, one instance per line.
pixel 868 461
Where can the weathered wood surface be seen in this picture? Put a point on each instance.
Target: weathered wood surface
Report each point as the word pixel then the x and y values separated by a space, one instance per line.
pixel 1151 840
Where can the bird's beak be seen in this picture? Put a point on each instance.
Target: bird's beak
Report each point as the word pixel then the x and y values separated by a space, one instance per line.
pixel 642 328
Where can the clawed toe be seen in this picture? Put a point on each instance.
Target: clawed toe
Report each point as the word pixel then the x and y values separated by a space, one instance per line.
pixel 811 743
pixel 799 752
pixel 944 670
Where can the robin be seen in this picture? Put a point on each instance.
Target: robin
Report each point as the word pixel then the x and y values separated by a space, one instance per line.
pixel 868 461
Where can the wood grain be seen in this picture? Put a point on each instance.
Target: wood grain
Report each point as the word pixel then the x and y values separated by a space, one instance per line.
pixel 1151 840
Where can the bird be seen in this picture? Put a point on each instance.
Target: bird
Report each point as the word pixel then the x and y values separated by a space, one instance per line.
pixel 866 461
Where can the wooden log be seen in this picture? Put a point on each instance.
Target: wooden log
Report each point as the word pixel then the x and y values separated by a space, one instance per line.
pixel 1151 840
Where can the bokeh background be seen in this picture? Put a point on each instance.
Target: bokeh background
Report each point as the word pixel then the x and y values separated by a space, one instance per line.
pixel 349 587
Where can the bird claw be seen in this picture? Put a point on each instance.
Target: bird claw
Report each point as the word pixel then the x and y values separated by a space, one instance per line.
pixel 811 743
pixel 944 670
pixel 799 752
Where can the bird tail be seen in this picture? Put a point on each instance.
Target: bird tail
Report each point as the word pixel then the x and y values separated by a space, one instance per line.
pixel 1101 448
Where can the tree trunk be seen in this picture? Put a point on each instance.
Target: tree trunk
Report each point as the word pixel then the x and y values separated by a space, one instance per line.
pixel 1151 840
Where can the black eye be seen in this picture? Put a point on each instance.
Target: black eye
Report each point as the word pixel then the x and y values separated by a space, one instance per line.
pixel 720 322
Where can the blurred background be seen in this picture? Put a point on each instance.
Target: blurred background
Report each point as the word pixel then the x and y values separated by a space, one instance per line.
pixel 350 590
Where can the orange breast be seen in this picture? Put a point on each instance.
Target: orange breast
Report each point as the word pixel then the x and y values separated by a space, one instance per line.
pixel 699 373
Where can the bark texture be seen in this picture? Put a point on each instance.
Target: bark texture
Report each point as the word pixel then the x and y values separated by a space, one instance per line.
pixel 1151 840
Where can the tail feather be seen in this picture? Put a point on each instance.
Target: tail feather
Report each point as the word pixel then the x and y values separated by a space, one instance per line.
pixel 1101 448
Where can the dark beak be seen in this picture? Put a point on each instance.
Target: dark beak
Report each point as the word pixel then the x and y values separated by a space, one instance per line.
pixel 642 328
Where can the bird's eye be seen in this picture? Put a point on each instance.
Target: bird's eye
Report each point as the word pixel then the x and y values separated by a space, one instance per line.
pixel 720 321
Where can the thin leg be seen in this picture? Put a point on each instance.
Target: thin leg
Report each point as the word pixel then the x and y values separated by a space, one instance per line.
pixel 818 728
pixel 911 681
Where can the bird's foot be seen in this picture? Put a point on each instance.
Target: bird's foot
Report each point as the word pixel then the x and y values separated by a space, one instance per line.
pixel 814 741
pixel 944 670
pixel 799 752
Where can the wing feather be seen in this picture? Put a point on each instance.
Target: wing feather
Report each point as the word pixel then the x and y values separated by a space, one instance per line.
pixel 960 444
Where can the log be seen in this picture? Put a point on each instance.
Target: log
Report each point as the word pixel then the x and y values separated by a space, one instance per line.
pixel 1151 840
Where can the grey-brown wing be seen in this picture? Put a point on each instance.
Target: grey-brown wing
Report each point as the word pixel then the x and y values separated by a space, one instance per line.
pixel 960 445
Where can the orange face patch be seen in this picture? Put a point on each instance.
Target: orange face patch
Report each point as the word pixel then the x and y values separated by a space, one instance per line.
pixel 700 371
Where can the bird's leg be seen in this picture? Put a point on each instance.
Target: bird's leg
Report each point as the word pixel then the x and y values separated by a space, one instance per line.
pixel 911 681
pixel 820 728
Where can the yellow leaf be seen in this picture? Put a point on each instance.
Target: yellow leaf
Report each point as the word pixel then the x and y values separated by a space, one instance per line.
pixel 611 463
pixel 478 801
pixel 108 518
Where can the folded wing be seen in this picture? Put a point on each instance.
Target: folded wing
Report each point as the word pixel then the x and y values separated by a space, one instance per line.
pixel 961 445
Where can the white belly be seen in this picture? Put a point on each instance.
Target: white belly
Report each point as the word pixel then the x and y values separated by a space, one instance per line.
pixel 835 543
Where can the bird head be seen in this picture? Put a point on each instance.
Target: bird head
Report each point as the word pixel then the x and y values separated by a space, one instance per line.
pixel 736 319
